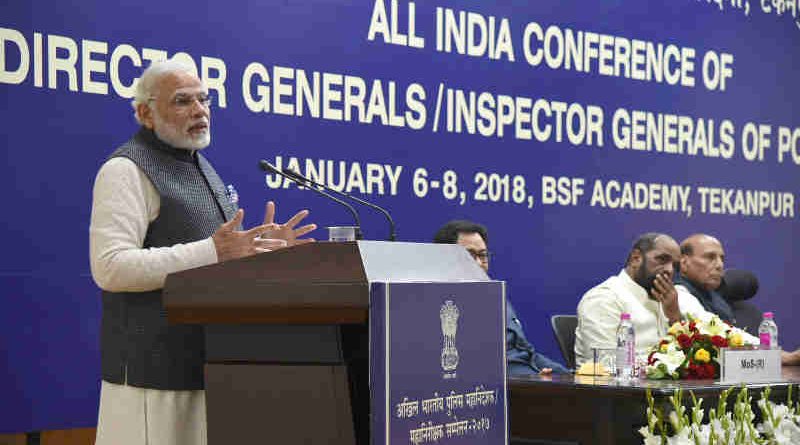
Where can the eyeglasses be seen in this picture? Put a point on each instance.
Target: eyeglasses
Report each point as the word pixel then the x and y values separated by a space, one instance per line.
pixel 482 255
pixel 186 101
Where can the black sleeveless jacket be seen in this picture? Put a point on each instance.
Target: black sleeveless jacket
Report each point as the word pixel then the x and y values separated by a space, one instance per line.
pixel 137 345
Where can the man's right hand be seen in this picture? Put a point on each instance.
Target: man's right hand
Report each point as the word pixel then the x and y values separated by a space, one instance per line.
pixel 231 243
pixel 664 292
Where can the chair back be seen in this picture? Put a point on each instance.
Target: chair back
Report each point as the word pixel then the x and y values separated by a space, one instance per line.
pixel 747 316
pixel 564 330
pixel 738 287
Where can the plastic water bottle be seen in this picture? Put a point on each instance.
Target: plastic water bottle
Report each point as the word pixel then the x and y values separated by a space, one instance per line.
pixel 626 347
pixel 768 332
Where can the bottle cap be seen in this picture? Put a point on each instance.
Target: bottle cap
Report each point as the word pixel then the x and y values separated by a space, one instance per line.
pixel 768 315
pixel 625 316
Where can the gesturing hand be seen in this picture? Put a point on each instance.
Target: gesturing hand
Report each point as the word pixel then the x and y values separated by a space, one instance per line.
pixel 664 292
pixel 287 231
pixel 231 243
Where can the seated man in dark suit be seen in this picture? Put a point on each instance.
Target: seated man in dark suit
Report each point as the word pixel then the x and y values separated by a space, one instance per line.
pixel 702 264
pixel 521 356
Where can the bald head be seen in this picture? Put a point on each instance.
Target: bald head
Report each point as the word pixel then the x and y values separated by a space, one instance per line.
pixel 702 261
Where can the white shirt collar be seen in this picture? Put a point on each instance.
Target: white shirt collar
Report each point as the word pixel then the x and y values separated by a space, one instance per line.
pixel 634 288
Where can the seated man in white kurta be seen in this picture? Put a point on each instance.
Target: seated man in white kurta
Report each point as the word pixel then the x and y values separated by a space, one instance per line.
pixel 643 289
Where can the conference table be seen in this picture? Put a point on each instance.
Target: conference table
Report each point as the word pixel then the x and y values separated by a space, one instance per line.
pixel 601 410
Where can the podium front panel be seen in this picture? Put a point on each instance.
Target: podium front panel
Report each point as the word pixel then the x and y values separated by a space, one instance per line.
pixel 437 363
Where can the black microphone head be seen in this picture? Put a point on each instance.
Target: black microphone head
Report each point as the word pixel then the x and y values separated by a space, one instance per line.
pixel 267 167
pixel 738 285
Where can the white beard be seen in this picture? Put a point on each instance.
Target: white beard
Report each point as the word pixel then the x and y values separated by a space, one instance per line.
pixel 173 136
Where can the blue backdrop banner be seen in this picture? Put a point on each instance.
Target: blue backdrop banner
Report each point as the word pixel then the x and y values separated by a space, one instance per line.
pixel 567 127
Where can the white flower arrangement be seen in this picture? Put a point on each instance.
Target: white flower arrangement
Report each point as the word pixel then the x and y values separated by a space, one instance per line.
pixel 691 348
pixel 780 423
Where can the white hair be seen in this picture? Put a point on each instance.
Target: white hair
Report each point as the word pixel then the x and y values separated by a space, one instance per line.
pixel 146 83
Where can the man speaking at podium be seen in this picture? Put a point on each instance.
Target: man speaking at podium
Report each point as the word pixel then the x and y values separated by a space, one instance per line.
pixel 521 357
pixel 159 207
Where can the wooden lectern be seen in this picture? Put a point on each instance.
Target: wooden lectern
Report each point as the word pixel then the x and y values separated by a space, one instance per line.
pixel 287 347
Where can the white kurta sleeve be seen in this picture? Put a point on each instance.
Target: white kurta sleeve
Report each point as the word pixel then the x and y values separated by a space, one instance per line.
pixel 689 305
pixel 598 319
pixel 124 203
pixel 693 306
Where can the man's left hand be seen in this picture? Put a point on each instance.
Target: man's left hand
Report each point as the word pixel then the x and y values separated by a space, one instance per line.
pixel 664 292
pixel 287 230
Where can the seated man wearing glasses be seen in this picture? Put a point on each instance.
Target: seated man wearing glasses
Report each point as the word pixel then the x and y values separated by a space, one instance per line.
pixel 521 356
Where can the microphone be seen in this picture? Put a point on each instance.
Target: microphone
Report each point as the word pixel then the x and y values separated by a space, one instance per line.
pixel 738 285
pixel 269 168
pixel 300 178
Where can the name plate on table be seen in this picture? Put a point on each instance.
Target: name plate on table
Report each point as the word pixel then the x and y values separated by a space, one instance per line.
pixel 750 365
